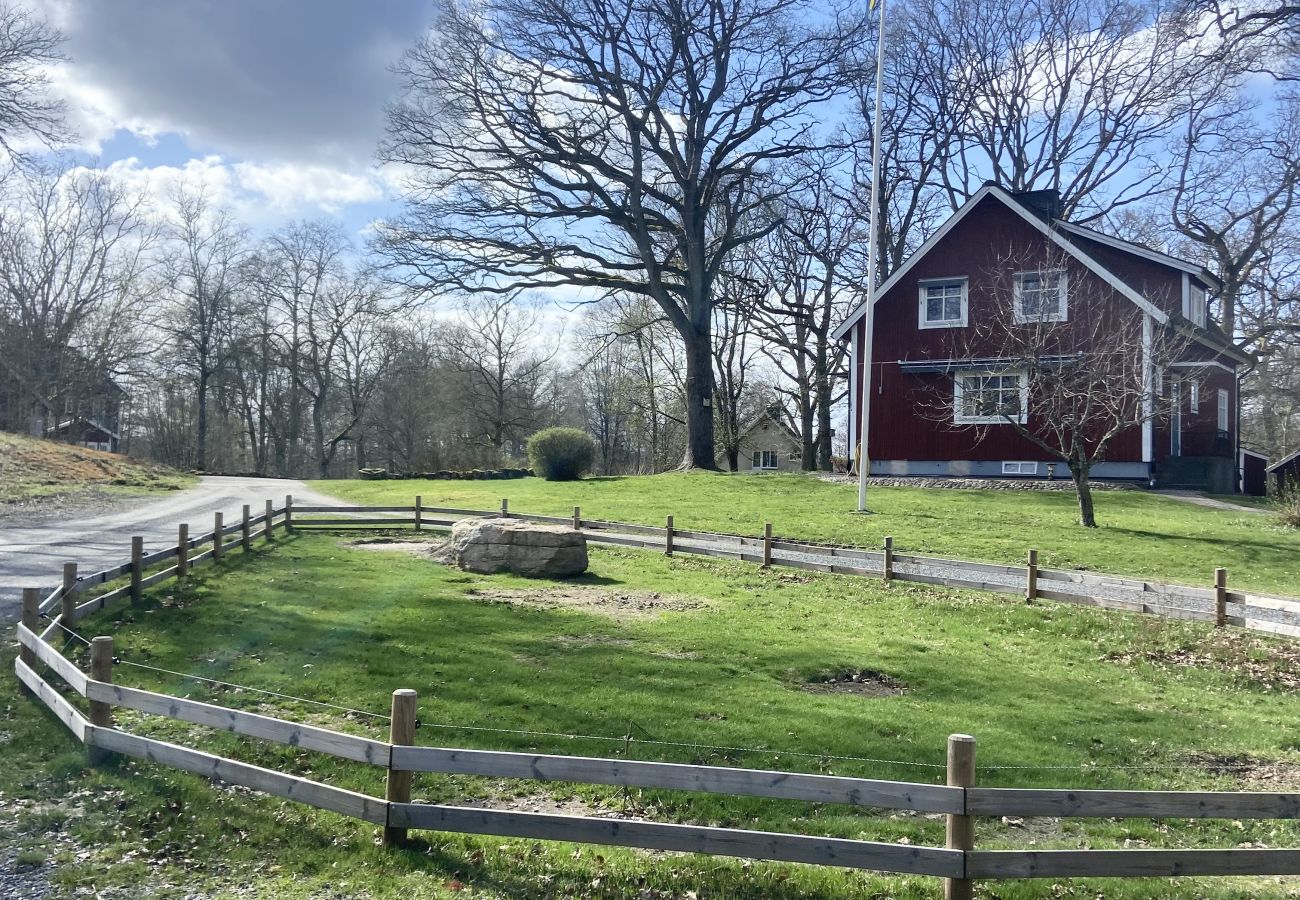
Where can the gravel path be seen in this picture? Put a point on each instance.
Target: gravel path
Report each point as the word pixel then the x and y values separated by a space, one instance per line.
pixel 25 882
pixel 1141 595
pixel 32 551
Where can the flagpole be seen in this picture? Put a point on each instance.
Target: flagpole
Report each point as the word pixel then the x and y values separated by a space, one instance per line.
pixel 864 400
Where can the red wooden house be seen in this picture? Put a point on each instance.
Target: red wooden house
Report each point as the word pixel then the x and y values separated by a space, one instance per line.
pixel 957 277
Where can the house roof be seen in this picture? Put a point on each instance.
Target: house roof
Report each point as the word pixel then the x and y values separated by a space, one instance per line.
pixel 767 415
pixel 1143 251
pixel 1059 232
pixel 1284 461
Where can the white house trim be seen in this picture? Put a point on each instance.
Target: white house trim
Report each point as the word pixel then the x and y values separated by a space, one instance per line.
pixel 1202 364
pixel 855 422
pixel 1148 391
pixel 1048 230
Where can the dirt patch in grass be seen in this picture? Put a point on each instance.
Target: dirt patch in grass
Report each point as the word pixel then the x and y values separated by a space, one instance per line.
pixel 1250 771
pixel 415 548
pixel 863 682
pixel 548 804
pixel 614 604
pixel 1258 662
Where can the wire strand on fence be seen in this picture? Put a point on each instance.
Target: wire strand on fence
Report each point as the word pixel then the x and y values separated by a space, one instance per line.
pixel 242 687
pixel 71 633
pixel 625 739
pixel 628 739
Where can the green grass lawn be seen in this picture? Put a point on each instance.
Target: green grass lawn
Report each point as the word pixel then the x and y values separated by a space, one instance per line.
pixel 723 658
pixel 1141 534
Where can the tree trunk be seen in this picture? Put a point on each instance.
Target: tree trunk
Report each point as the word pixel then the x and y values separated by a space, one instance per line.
pixel 318 429
pixel 824 420
pixel 733 458
pixel 700 446
pixel 809 436
pixel 201 436
pixel 1087 517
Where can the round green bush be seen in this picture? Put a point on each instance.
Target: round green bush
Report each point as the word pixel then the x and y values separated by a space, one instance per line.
pixel 561 454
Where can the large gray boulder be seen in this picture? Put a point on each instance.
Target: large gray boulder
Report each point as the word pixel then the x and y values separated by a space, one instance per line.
pixel 514 545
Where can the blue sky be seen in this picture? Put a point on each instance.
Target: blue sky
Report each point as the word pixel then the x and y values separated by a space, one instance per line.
pixel 275 106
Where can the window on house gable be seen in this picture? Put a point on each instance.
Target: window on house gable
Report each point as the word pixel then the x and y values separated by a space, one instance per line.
pixel 1223 410
pixel 1196 305
pixel 1194 396
pixel 943 303
pixel 982 398
pixel 1040 296
pixel 764 459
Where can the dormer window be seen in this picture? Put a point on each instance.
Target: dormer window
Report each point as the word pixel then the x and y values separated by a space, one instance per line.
pixel 1040 296
pixel 1196 305
pixel 943 303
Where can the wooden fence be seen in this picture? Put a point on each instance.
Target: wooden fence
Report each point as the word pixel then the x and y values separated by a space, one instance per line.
pixel 1213 603
pixel 960 800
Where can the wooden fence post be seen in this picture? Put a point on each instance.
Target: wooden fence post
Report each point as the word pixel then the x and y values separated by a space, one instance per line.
pixel 577 518
pixel 668 537
pixel 68 608
pixel 505 508
pixel 246 531
pixel 418 513
pixel 889 559
pixel 137 567
pixel 31 621
pixel 267 529
pixel 401 731
pixel 1220 597
pixel 218 523
pixel 767 545
pixel 288 513
pixel 961 828
pixel 101 669
pixel 183 550
pixel 1031 577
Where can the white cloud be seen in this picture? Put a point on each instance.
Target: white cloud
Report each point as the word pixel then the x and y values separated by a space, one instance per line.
pixel 289 187
pixel 260 195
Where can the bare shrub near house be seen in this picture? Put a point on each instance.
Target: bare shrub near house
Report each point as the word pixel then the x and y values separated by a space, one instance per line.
pixel 1086 364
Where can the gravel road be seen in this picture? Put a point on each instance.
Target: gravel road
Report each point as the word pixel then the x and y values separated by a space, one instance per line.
pixel 32 553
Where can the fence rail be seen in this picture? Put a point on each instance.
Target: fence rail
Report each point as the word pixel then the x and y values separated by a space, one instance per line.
pixel 958 862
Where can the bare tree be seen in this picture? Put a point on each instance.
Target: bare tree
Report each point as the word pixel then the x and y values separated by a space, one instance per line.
pixel 610 144
pixel 1235 204
pixel 813 270
pixel 1073 95
pixel 74 252
pixel 27 46
pixel 736 350
pixel 494 347
pixel 1071 388
pixel 297 264
pixel 203 267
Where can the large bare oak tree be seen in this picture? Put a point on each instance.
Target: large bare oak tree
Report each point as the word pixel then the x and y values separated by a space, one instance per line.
pixel 610 145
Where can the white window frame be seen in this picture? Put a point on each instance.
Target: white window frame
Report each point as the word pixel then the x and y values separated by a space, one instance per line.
pixel 1197 308
pixel 1019 468
pixel 1063 292
pixel 763 456
pixel 1225 419
pixel 1194 396
pixel 922 287
pixel 957 398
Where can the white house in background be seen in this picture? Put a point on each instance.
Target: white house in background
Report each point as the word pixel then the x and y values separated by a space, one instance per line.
pixel 768 444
